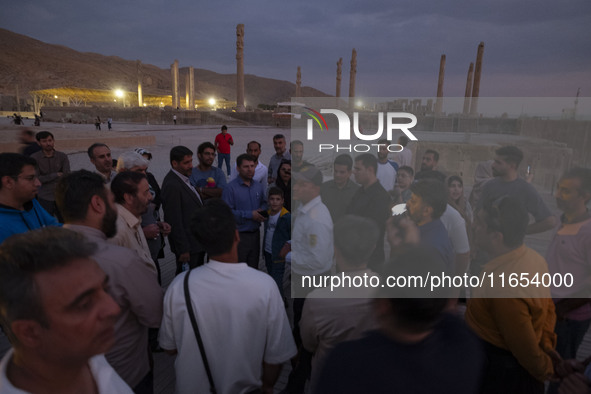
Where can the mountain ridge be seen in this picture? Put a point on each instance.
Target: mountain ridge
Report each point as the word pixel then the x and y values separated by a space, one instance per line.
pixel 36 65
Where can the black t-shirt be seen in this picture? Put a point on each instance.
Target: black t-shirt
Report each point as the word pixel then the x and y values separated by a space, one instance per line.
pixel 450 361
pixel 373 203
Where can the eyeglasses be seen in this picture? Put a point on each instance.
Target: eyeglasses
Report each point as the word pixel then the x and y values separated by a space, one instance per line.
pixel 286 171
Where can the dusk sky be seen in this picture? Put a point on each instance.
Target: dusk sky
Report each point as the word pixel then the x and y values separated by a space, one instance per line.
pixel 532 48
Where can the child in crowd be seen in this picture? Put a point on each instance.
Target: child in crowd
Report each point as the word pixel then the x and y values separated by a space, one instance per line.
pixel 404 178
pixel 277 233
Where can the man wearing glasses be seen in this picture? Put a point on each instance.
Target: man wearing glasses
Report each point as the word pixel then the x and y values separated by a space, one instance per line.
pixel 19 210
pixel 209 181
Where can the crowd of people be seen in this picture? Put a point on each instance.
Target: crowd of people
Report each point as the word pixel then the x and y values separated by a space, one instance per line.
pixel 82 301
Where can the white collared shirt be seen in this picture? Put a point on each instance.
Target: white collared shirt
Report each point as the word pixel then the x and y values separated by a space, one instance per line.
pixel 312 239
pixel 185 179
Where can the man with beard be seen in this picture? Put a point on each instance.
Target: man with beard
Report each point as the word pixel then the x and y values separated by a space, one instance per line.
pixel 253 148
pixel 296 149
pixel 337 193
pixel 429 166
pixel 132 198
pixel 179 201
pixel 248 201
pixel 514 323
pixel 100 157
pixel 281 153
pixel 88 208
pixel 570 252
pixel 508 183
pixel 430 160
pixel 51 166
pixel 372 201
pixel 201 175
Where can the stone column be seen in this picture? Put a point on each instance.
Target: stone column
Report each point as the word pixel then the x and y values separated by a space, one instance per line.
pixel 140 97
pixel 298 92
pixel 191 88
pixel 240 68
pixel 187 103
pixel 476 85
pixel 467 94
pixel 174 68
pixel 353 75
pixel 439 102
pixel 339 73
pixel 18 101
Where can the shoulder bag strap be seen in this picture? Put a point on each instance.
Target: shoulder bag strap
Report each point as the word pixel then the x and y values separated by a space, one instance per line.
pixel 197 334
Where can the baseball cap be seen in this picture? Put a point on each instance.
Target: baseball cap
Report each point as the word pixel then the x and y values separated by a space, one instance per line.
pixel 143 151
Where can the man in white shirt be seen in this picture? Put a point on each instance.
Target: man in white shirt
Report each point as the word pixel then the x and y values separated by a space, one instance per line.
pixel 55 309
pixel 253 148
pixel 386 172
pixel 404 157
pixel 244 353
pixel 100 157
pixel 311 250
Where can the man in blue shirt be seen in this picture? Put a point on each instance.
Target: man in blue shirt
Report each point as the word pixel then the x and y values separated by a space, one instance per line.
pixel 19 210
pixel 246 197
pixel 426 205
pixel 200 175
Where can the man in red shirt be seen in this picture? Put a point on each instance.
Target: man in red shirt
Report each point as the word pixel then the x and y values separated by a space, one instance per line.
pixel 223 141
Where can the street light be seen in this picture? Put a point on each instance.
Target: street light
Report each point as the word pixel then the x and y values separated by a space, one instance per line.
pixel 120 94
pixel 211 102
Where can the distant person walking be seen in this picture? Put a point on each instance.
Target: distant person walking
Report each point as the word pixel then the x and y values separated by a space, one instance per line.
pixel 223 141
pixel 110 123
pixel 174 118
pixel 97 123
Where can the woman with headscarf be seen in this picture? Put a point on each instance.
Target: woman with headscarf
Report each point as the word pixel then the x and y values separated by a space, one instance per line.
pixel 283 181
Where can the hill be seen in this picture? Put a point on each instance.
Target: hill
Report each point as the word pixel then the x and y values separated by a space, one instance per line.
pixel 35 65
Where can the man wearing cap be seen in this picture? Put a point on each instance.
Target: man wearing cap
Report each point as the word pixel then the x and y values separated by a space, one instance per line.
pixel 247 199
pixel 312 232
pixel 312 245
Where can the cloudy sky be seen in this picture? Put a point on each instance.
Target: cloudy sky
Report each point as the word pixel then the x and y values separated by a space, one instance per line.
pixel 532 47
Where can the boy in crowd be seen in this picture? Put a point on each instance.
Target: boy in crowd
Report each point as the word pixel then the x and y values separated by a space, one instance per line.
pixel 405 178
pixel 277 233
